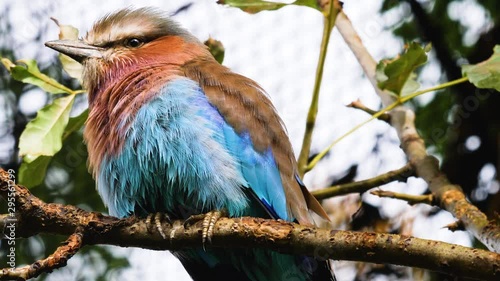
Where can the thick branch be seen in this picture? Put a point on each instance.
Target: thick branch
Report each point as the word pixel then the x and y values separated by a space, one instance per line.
pixel 449 196
pixel 359 50
pixel 35 216
pixel 400 174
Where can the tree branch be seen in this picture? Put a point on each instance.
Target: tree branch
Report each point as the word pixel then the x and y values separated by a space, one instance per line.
pixel 455 226
pixel 329 19
pixel 89 228
pixel 411 199
pixel 58 259
pixel 359 105
pixel 400 174
pixel 450 197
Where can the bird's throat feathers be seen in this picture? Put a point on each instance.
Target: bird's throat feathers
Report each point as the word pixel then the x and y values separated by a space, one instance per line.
pixel 123 81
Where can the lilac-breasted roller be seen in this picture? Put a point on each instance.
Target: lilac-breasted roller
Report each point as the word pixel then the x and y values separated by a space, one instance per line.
pixel 171 130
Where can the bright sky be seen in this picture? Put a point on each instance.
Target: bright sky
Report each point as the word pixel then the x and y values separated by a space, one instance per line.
pixel 279 50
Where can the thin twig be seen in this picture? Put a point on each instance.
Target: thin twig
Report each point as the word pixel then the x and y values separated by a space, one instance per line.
pixel 400 174
pixel 435 88
pixel 359 105
pixel 329 22
pixel 325 151
pixel 411 199
pixel 455 226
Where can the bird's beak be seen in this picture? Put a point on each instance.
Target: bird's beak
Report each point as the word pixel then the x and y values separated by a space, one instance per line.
pixel 75 49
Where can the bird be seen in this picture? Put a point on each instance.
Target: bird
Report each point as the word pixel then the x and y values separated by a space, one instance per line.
pixel 172 131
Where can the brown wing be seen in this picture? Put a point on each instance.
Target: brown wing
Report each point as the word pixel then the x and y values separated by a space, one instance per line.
pixel 245 106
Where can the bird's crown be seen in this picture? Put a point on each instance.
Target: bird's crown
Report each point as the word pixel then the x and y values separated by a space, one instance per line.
pixel 132 27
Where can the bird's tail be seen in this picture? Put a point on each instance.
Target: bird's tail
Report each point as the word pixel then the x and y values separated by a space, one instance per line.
pixel 320 270
pixel 324 272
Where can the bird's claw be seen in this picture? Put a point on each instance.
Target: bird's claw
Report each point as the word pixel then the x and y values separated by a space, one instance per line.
pixel 209 220
pixel 208 225
pixel 193 219
pixel 155 220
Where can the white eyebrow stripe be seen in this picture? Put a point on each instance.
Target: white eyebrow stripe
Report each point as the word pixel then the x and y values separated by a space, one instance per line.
pixel 141 23
pixel 122 31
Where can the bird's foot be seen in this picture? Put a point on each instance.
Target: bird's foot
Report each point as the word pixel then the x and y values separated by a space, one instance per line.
pixel 154 221
pixel 209 220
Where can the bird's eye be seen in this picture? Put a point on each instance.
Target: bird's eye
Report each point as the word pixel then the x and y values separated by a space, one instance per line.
pixel 134 43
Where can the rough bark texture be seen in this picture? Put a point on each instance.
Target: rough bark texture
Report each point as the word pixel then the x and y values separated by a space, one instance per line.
pixel 450 197
pixel 88 228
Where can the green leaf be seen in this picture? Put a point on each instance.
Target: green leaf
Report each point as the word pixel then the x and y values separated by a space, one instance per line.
pixel 32 75
pixel 33 169
pixel 397 75
pixel 428 47
pixel 315 4
pixel 252 6
pixel 33 172
pixel 216 49
pixel 255 6
pixel 75 123
pixel 411 85
pixel 71 66
pixel 486 74
pixel 43 135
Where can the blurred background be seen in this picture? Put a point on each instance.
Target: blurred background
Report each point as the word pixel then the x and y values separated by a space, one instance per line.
pixel 279 50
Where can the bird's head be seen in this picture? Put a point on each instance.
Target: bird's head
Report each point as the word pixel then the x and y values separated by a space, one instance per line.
pixel 127 41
